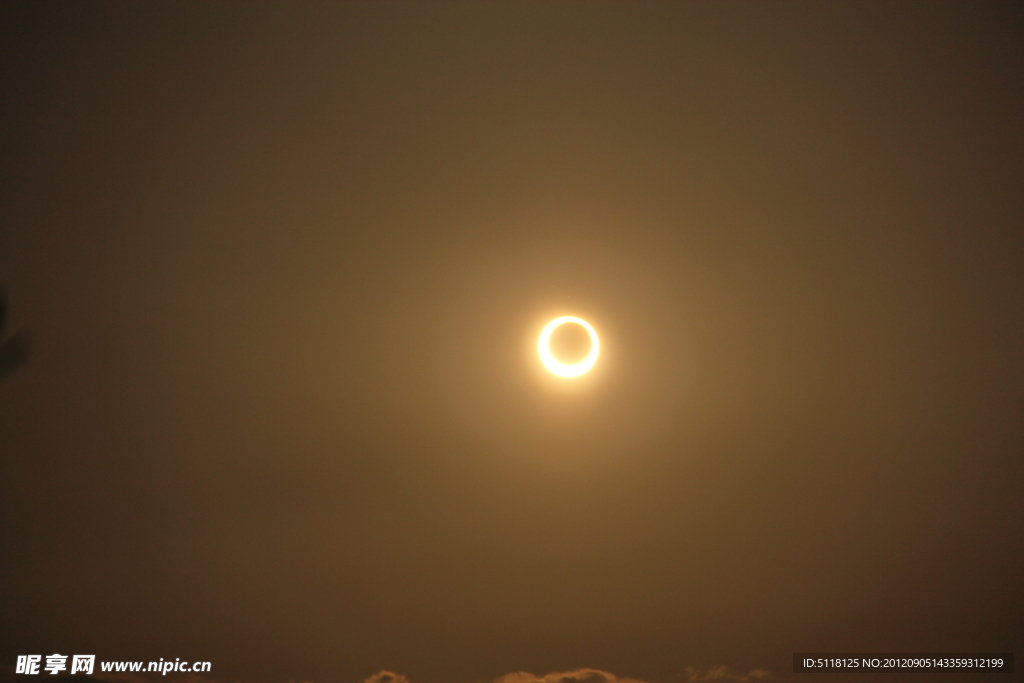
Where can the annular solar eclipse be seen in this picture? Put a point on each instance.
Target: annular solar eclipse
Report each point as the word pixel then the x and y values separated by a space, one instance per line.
pixel 555 366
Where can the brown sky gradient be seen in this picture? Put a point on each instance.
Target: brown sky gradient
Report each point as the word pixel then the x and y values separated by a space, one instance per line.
pixel 284 264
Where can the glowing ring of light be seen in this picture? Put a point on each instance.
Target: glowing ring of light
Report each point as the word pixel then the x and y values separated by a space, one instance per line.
pixel 565 369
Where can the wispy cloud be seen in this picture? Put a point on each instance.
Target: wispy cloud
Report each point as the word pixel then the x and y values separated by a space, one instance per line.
pixel 715 673
pixel 386 677
pixel 723 673
pixel 577 676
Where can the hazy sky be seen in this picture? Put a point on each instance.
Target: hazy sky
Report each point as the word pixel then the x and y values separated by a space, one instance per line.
pixel 284 265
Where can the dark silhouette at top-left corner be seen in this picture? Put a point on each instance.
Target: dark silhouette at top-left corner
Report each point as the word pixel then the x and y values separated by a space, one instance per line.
pixel 14 352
